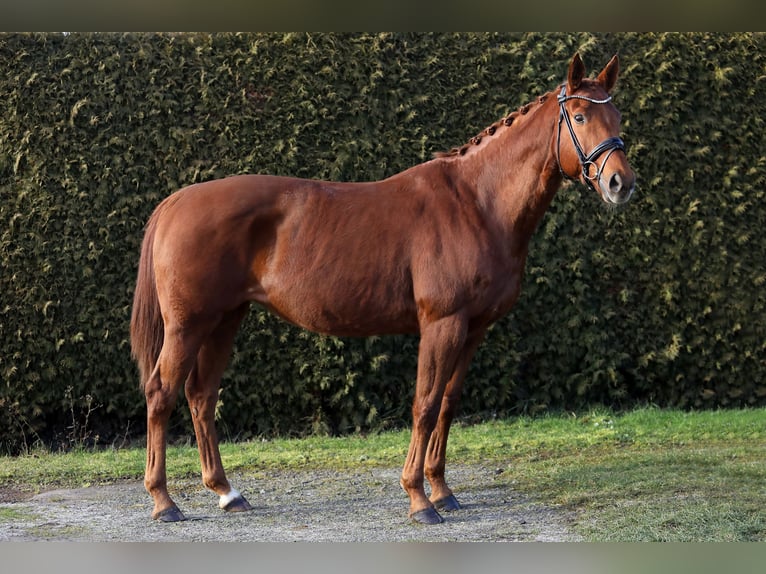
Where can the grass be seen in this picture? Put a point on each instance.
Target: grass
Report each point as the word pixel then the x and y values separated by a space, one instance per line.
pixel 8 514
pixel 652 475
pixel 645 475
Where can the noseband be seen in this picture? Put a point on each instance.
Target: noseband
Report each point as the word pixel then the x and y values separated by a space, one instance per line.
pixel 586 161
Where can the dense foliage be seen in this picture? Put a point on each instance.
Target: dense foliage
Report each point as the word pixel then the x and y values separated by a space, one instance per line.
pixel 662 301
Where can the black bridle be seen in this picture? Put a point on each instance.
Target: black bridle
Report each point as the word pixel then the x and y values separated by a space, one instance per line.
pixel 586 161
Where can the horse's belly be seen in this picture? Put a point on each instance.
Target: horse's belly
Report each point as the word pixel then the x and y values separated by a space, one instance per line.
pixel 344 308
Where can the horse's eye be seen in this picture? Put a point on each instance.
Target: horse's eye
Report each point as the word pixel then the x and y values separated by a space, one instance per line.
pixel 579 118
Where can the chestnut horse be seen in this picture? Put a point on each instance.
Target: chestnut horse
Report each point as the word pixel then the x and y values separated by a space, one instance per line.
pixel 438 249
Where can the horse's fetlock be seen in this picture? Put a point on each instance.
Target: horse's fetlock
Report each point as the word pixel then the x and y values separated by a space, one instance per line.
pixel 410 484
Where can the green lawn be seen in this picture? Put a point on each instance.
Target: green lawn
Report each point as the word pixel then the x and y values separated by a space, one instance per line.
pixel 648 474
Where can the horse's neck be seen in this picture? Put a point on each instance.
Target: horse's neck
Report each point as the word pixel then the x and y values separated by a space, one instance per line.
pixel 515 174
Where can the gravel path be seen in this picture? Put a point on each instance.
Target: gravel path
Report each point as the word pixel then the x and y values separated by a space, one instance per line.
pixel 317 506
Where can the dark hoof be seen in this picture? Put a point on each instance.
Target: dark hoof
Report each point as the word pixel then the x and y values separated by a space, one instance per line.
pixel 447 504
pixel 172 514
pixel 239 504
pixel 427 516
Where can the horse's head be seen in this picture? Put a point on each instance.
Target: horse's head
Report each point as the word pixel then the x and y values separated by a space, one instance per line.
pixel 588 145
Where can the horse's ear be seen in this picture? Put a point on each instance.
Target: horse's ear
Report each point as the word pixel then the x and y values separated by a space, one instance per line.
pixel 576 74
pixel 608 76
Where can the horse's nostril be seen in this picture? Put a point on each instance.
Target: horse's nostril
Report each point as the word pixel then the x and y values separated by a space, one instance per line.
pixel 615 183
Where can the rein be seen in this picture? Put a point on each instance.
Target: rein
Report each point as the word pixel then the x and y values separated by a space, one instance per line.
pixel 611 144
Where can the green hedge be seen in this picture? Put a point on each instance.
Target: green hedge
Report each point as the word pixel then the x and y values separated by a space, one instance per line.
pixel 661 301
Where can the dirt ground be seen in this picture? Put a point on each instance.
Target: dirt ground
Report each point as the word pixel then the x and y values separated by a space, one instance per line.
pixel 317 506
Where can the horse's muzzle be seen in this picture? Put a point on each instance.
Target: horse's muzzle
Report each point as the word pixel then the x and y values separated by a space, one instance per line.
pixel 618 188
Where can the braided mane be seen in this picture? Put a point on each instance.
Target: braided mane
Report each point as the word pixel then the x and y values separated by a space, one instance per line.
pixel 489 131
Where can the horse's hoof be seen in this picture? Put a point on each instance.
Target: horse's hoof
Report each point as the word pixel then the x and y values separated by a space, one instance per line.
pixel 172 514
pixel 239 504
pixel 427 516
pixel 447 504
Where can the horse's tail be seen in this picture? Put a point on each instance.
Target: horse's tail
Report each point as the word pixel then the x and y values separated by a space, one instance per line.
pixel 146 327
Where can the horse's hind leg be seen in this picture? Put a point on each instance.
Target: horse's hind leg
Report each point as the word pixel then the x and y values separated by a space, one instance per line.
pixel 441 494
pixel 202 395
pixel 173 366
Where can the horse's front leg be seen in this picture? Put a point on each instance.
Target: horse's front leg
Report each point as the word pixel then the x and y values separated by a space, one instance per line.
pixel 441 494
pixel 440 343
